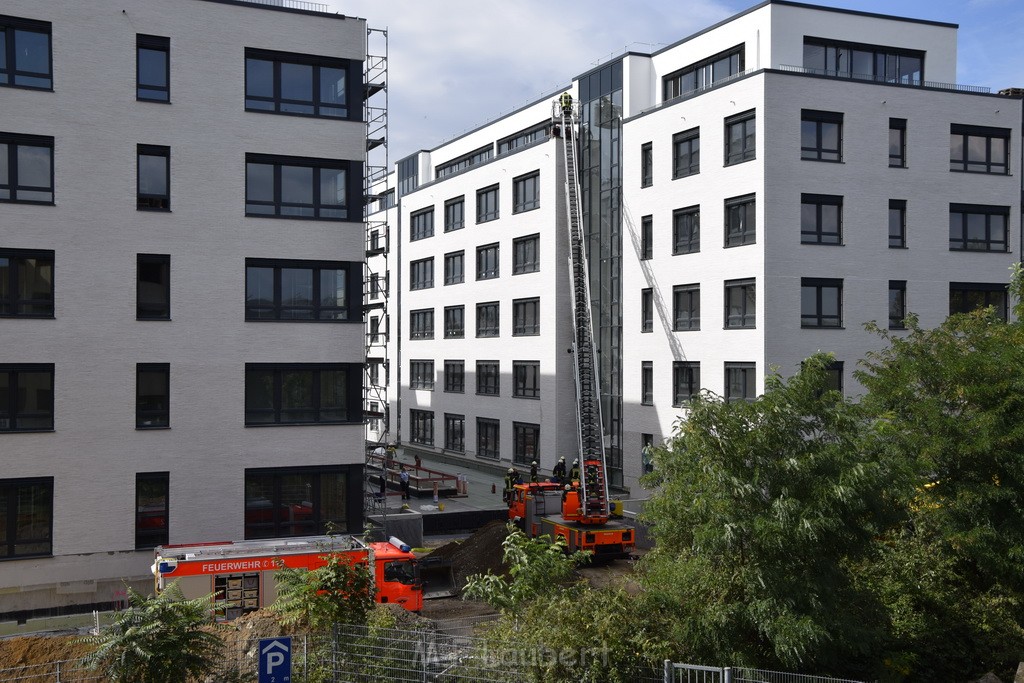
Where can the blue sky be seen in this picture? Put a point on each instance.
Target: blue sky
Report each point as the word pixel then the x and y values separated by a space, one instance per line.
pixel 458 64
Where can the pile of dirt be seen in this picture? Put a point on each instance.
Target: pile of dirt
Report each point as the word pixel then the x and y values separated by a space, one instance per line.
pixel 479 553
pixel 41 652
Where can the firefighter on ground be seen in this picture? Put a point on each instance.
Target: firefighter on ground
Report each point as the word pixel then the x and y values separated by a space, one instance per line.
pixel 574 473
pixel 510 483
pixel 558 471
pixel 566 102
pixel 533 472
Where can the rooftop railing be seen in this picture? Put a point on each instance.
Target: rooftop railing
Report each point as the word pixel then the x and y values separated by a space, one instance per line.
pixel 293 4
pixel 910 82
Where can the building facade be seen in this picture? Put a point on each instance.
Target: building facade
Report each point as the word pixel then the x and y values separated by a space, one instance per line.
pixel 187 366
pixel 752 194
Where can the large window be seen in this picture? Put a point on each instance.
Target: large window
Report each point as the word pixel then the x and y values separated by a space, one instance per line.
pixel 296 187
pixel 524 138
pixel 821 135
pixel 152 509
pixel 979 149
pixel 153 178
pixel 488 438
pixel 647 310
pixel 526 192
pixel 421 225
pixel 26 168
pixel 487 320
pixel 26 398
pixel 421 323
pixel 26 283
pixel 301 290
pixel 299 501
pixel 454 267
pixel 865 62
pixel 26 60
pixel 897 223
pixel 421 374
pixel 974 227
pixel 525 442
pixel 740 382
pixel 685 381
pixel 646 238
pixel 487 262
pixel 455 214
pixel 686 153
pixel 740 222
pixel 152 68
pixel 26 517
pixel 686 230
pixel 421 274
pixel 421 427
pixel 455 432
pixel 647 383
pixel 305 85
pixel 152 395
pixel 740 304
pixel 525 317
pixel 526 378
pixel 821 219
pixel 703 74
pixel 965 297
pixel 740 138
pixel 526 254
pixel 646 165
pixel 302 393
pixel 487 204
pixel 488 378
pixel 454 376
pixel 454 322
pixel 686 307
pixel 460 164
pixel 898 143
pixel 897 304
pixel 821 302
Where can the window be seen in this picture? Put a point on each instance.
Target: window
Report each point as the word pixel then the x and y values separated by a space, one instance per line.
pixel 152 509
pixel 454 267
pixel 685 381
pixel 526 192
pixel 296 501
pixel 25 57
pixel 686 230
pixel 686 153
pixel 487 204
pixel 26 168
pixel 523 138
pixel 487 438
pixel 26 283
pixel 454 322
pixel 898 143
pixel 525 317
pixel 821 302
pixel 965 297
pixel 294 187
pixel 421 225
pixel 152 395
pixel 487 319
pixel 740 382
pixel 979 149
pixel 153 178
pixel 374 333
pixel 974 227
pixel 834 376
pixel 703 74
pixel 421 274
pixel 686 307
pixel 647 310
pixel 526 378
pixel 421 427
pixel 421 324
pixel 421 374
pixel 821 219
pixel 646 238
pixel 897 304
pixel 821 135
pixel 460 164
pixel 301 290
pixel 897 223
pixel 455 214
pixel 525 443
pixel 376 288
pixel 487 262
pixel 488 378
pixel 26 515
pixel 647 383
pixel 152 68
pixel 646 165
pixel 454 376
pixel 153 289
pixel 740 304
pixel 303 393
pixel 285 83
pixel 526 254
pixel 864 62
pixel 739 138
pixel 455 432
pixel 740 227
pixel 26 398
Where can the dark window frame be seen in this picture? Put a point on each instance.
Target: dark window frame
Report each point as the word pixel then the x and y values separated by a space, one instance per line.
pixel 152 296
pixel 746 372
pixel 421 274
pixel 883 58
pixel 704 72
pixel 686 153
pixel 685 381
pixel 989 165
pixel 279 519
pixel 451 277
pixel 488 319
pixel 455 213
pixel 963 241
pixel 353 400
pixel 350 210
pixel 146 416
pixel 647 310
pixel 421 224
pixel 276 102
pixel 488 261
pixel 484 196
pixel 153 201
pixel 525 434
pixel 9 27
pixel 647 383
pixel 14 304
pixel 994 294
pixel 819 233
pixel 15 515
pixel 152 520
pixel 690 294
pixel 421 374
pixel 816 317
pixel 421 323
pixel 455 376
pixel 526 379
pixel 153 92
pixel 521 317
pixel 897 130
pixel 743 209
pixel 746 317
pixel 646 164
pixel 455 432
pixel 897 304
pixel 526 192
pixel 455 322
pixel 349 311
pixel 815 150
pixel 488 438
pixel 488 378
pixel 686 230
pixel 745 148
pixel 522 260
pixel 9 191
pixel 898 240
pixel 43 416
pixel 646 237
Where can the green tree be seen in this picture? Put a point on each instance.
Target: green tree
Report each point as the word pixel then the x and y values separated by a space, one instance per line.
pixel 340 591
pixel 162 639
pixel 758 509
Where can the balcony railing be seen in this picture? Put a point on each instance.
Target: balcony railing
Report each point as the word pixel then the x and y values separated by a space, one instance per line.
pixel 871 78
pixel 294 4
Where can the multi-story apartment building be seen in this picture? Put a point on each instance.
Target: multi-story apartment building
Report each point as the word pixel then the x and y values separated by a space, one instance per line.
pixel 751 194
pixel 184 366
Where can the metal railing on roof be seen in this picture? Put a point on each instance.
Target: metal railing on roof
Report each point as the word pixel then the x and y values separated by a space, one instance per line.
pixel 293 4
pixel 871 78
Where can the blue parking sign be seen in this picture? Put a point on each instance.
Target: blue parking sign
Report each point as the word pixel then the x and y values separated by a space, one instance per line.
pixel 276 660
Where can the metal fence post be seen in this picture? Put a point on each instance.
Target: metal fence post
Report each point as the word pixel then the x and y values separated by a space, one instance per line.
pixel 667 671
pixel 727 675
pixel 58 672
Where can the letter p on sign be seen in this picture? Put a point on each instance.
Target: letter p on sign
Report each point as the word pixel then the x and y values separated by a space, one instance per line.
pixel 275 660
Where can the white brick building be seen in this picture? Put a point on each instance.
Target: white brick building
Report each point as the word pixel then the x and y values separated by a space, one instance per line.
pixel 185 367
